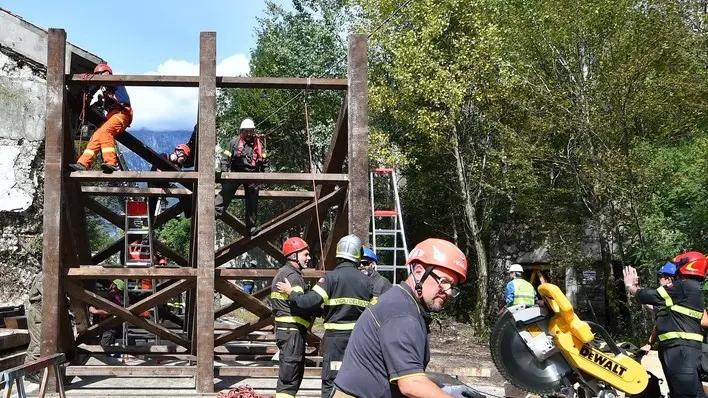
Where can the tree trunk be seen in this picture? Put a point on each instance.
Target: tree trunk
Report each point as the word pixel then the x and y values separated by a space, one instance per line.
pixel 479 314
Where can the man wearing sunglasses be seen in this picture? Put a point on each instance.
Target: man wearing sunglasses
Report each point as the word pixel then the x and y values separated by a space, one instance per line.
pixel 367 265
pixel 678 322
pixel 388 350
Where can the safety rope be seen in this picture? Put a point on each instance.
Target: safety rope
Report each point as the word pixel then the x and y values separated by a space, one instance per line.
pixel 312 172
pixel 82 115
pixel 244 391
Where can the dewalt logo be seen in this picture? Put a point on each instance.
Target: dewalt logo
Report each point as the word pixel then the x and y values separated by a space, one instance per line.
pixel 601 360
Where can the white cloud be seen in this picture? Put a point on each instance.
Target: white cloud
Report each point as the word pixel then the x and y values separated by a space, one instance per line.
pixel 175 108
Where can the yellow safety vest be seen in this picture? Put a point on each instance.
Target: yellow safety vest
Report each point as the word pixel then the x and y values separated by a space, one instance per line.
pixel 524 292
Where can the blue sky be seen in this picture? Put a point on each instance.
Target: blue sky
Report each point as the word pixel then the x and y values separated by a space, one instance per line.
pixel 154 36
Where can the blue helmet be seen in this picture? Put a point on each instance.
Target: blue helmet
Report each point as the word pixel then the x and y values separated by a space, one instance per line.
pixel 369 254
pixel 668 269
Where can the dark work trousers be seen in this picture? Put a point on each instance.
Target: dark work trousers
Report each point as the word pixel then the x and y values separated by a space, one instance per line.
pixel 681 364
pixel 335 342
pixel 291 343
pixel 228 190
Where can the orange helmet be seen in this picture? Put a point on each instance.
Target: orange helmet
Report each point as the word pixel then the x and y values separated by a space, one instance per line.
pixel 293 245
pixel 100 68
pixel 184 148
pixel 692 263
pixel 440 253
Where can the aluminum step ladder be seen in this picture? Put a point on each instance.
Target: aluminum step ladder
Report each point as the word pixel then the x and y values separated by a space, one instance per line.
pixel 138 253
pixel 387 233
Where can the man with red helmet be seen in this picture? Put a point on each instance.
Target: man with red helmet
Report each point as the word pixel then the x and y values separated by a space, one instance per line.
pixel 388 350
pixel 119 115
pixel 678 321
pixel 291 322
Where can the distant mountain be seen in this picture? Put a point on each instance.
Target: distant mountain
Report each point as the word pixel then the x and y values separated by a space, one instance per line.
pixel 159 141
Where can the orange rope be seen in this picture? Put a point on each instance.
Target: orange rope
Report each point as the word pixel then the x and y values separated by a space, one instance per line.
pixel 314 185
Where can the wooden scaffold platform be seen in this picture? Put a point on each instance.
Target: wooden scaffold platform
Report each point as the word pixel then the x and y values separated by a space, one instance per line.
pixel 70 267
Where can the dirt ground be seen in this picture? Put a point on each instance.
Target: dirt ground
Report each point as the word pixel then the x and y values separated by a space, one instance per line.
pixel 454 350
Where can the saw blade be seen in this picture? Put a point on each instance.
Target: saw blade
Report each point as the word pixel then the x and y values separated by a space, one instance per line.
pixel 519 366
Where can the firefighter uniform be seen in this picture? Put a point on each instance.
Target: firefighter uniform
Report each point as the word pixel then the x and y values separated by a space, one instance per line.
pixel 345 293
pixel 678 328
pixel 379 285
pixel 291 324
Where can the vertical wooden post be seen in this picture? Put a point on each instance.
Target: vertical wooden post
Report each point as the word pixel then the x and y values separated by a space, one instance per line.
pixel 358 138
pixel 205 212
pixel 53 163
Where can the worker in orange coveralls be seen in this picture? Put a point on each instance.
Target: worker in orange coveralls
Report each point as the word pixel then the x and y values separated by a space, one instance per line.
pixel 119 115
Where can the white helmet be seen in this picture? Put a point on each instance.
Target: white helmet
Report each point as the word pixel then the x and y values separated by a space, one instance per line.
pixel 516 268
pixel 247 124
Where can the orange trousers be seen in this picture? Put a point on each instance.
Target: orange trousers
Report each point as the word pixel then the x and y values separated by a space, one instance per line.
pixel 104 138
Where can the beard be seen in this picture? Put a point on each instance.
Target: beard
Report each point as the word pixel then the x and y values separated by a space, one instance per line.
pixel 435 303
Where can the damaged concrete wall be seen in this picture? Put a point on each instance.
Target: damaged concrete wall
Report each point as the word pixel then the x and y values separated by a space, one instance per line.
pixel 22 115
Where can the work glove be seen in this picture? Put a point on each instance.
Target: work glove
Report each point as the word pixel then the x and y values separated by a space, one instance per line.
pixel 462 391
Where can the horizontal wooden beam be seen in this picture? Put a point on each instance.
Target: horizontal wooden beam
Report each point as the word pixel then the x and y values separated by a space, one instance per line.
pixel 261 371
pixel 256 273
pixel 106 370
pixel 99 272
pixel 221 81
pixel 278 194
pixel 243 330
pixel 134 176
pixel 132 191
pixel 286 178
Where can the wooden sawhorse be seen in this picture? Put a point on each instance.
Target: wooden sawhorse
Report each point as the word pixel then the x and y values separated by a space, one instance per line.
pixel 17 374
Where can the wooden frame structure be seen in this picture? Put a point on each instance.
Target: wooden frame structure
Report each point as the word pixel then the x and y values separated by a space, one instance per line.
pixel 68 261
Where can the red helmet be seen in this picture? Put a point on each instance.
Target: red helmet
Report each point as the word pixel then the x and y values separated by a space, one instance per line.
pixel 184 148
pixel 692 263
pixel 293 245
pixel 440 253
pixel 100 68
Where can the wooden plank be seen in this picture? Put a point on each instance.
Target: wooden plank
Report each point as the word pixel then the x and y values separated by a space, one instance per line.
pixel 116 219
pixel 247 301
pixel 131 191
pixel 273 194
pixel 236 305
pixel 101 272
pixel 142 305
pixel 133 176
pixel 220 81
pixel 32 366
pixel 52 296
pixel 358 161
pixel 12 360
pixel 205 213
pixel 334 163
pixel 268 247
pixel 107 252
pixel 16 322
pixel 142 370
pixel 243 330
pixel 262 273
pixel 168 214
pixel 285 178
pixel 91 298
pixel 167 251
pixel 242 245
pixel 261 371
pixel 13 338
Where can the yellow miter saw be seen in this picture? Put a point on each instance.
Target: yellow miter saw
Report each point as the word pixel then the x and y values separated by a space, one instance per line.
pixel 547 350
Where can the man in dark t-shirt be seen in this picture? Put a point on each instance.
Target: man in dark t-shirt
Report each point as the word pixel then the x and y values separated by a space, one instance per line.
pixel 388 350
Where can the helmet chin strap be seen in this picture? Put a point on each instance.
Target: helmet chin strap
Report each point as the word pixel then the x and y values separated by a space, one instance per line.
pixel 419 283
